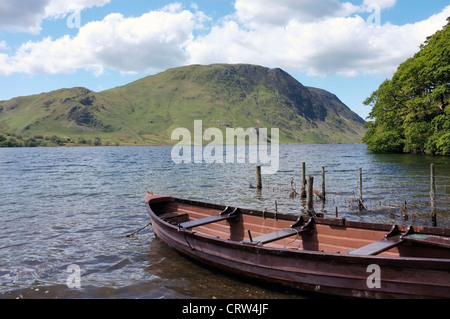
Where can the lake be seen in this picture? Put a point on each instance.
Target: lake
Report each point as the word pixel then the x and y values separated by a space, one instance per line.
pixel 75 206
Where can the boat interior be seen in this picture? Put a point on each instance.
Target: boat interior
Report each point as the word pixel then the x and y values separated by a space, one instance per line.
pixel 269 229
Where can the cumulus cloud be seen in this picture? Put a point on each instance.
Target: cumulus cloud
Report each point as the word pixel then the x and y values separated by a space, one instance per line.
pixel 317 42
pixel 299 36
pixel 256 12
pixel 27 15
pixel 3 45
pixel 58 8
pixel 152 41
pixel 383 4
pixel 22 15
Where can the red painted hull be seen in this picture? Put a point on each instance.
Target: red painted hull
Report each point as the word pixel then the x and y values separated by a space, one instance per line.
pixel 308 268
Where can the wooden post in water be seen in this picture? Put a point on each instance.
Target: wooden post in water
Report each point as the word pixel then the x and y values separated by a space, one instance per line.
pixel 303 182
pixel 360 201
pixel 310 195
pixel 432 195
pixel 360 184
pixel 258 177
pixel 323 183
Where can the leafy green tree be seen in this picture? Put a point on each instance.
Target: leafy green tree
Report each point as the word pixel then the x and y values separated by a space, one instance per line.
pixel 97 141
pixel 410 112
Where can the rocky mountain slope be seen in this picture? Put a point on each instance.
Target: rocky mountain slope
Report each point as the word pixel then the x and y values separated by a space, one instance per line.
pixel 148 110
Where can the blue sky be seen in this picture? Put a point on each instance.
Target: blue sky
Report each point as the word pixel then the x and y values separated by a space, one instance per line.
pixel 345 46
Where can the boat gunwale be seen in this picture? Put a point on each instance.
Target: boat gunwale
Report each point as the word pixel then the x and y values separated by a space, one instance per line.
pixel 338 222
pixel 423 262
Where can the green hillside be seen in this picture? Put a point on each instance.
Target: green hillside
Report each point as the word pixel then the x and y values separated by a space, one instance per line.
pixel 146 112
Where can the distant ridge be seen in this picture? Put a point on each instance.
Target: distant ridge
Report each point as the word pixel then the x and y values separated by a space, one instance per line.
pixel 146 111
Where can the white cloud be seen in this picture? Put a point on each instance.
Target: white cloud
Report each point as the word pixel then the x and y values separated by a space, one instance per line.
pixel 27 15
pixel 4 45
pixel 280 12
pixel 153 41
pixel 307 39
pixel 22 15
pixel 338 44
pixel 383 4
pixel 58 8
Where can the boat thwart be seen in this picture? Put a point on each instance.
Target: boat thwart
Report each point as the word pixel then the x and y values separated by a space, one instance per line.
pixel 330 256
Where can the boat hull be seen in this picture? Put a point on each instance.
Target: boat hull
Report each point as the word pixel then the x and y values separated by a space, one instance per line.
pixel 314 271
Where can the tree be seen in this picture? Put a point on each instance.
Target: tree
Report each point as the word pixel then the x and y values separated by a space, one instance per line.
pixel 97 141
pixel 410 112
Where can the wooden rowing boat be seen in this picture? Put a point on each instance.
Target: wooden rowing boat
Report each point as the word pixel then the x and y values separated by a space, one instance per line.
pixel 330 256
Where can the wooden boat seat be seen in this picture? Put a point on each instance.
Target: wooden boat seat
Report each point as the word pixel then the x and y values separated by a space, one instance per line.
pixel 431 240
pixel 175 218
pixel 268 238
pixel 281 234
pixel 227 214
pixel 390 240
pixel 378 247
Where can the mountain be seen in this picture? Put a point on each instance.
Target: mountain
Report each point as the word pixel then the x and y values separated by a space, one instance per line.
pixel 148 110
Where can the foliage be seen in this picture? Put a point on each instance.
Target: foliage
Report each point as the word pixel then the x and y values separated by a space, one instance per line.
pixel 410 112
pixel 13 140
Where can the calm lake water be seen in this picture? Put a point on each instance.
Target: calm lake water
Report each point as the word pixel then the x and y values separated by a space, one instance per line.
pixel 64 206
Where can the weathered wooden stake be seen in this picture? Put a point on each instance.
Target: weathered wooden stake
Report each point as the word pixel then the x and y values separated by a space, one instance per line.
pixel 319 194
pixel 303 182
pixel 360 184
pixel 258 177
pixel 310 195
pixel 323 182
pixel 360 201
pixel 432 195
